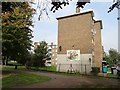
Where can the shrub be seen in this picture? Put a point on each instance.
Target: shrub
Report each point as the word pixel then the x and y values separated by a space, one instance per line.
pixel 95 70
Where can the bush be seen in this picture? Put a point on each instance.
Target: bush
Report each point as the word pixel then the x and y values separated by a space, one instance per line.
pixel 95 70
pixel 28 64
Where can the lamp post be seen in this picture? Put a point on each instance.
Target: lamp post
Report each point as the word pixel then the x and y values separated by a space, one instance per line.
pixel 118 7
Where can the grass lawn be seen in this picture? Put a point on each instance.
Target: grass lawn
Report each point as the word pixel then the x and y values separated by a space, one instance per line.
pixel 109 75
pixel 47 68
pixel 21 79
pixel 12 64
pixel 13 67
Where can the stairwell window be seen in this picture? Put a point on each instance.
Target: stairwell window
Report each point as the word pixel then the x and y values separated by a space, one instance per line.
pixel 60 48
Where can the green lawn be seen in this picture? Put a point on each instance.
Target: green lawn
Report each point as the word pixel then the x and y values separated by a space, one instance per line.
pixel 109 75
pixel 13 67
pixel 47 68
pixel 21 79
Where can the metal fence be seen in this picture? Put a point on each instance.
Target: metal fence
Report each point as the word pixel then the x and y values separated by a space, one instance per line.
pixel 74 68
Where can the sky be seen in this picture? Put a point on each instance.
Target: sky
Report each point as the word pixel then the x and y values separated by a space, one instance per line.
pixel 47 28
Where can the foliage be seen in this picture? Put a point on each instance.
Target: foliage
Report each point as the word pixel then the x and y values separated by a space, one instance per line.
pixel 112 58
pixel 58 4
pixel 116 4
pixel 47 68
pixel 16 31
pixel 12 62
pixel 15 80
pixel 113 54
pixel 109 75
pixel 55 5
pixel 40 54
pixel 95 70
pixel 13 67
pixel 81 3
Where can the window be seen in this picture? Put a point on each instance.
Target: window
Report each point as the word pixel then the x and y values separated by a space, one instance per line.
pixel 91 30
pixel 52 50
pixel 94 32
pixel 92 41
pixel 60 48
pixel 56 50
pixel 93 53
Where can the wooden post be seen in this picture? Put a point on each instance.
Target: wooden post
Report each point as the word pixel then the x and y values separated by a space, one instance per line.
pixel 85 69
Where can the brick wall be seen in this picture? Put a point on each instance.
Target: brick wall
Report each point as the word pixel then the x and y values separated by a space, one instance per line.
pixel 75 32
pixel 98 45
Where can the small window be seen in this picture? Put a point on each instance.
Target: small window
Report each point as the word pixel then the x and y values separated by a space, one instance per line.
pixel 60 48
pixel 93 53
pixel 92 40
pixel 52 50
pixel 92 30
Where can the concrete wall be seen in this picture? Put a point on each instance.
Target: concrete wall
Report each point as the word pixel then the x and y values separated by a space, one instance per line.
pixel 82 66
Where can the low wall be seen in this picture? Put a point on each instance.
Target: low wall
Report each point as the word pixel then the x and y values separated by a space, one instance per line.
pixel 82 66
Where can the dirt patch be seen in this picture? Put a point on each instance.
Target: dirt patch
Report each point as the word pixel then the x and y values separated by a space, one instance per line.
pixel 72 81
pixel 65 81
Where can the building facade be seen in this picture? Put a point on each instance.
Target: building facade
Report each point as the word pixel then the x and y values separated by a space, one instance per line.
pixel 52 51
pixel 80 32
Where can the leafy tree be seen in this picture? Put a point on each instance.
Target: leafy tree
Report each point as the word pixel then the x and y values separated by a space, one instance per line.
pixel 113 57
pixel 113 54
pixel 16 31
pixel 41 54
pixel 80 3
pixel 56 4
pixel 116 4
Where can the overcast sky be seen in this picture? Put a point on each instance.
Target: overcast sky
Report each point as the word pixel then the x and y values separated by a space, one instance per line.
pixel 47 28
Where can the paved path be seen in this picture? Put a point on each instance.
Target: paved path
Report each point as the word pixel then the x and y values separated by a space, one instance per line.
pixel 66 81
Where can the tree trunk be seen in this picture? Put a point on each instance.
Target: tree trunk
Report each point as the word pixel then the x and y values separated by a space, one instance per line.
pixel 15 66
pixel 6 61
pixel 3 61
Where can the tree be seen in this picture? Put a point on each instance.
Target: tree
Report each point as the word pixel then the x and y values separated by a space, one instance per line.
pixel 43 6
pixel 41 53
pixel 16 31
pixel 81 3
pixel 113 57
pixel 113 54
pixel 56 4
pixel 116 4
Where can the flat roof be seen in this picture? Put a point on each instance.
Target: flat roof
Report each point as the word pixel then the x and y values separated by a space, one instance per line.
pixel 81 13
pixel 100 23
pixel 76 14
